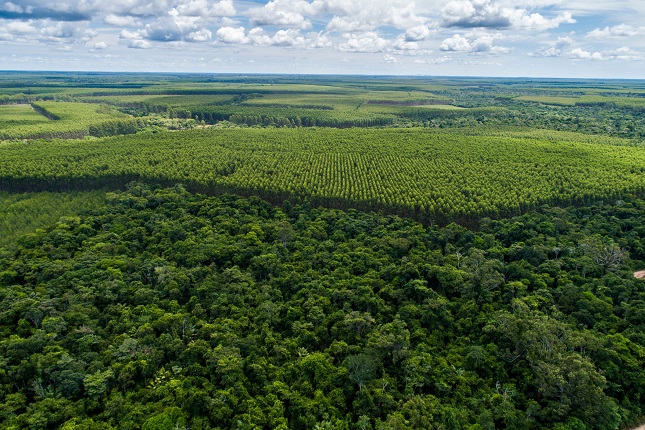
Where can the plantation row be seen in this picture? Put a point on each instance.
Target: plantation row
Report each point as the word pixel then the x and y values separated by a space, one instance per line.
pixel 427 174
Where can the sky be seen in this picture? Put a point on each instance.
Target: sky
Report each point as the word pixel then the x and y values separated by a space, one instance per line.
pixel 509 38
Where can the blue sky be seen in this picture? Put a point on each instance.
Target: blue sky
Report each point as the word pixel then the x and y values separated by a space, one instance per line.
pixel 533 38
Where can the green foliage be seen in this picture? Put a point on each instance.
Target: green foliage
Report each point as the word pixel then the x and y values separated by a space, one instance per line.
pixel 166 309
pixel 64 120
pixel 27 212
pixel 432 175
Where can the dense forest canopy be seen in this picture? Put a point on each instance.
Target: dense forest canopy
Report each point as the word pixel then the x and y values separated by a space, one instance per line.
pixel 166 307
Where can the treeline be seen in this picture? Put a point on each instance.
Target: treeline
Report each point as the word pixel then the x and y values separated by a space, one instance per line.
pixel 409 102
pixel 20 98
pixel 307 121
pixel 168 310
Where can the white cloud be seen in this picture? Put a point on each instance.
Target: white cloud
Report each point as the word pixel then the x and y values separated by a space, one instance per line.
pixel 363 42
pixel 287 38
pixel 417 33
pixel 203 35
pixel 232 35
pixel 626 54
pixel 389 59
pixel 474 42
pixel 201 8
pixel 65 32
pixel 258 37
pixel 485 13
pixel 402 44
pixel 554 49
pixel 127 34
pixel 121 21
pixel 566 47
pixel 622 30
pixel 620 54
pixel 362 16
pixel 349 24
pixel 140 44
pixel 19 27
pixel 99 46
pixel 163 30
pixel 581 54
pixel 285 13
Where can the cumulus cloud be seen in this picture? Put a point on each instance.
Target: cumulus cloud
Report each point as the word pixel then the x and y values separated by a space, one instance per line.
pixel 555 49
pixel 387 58
pixel 417 33
pixel 232 35
pixel 121 21
pixel 127 34
pixel 203 35
pixel 625 54
pixel 373 42
pixel 163 30
pixel 202 8
pixel 139 44
pixel 64 33
pixel 473 43
pixel 99 46
pixel 285 13
pixel 361 16
pixel 257 36
pixel 566 47
pixel 364 42
pixel 19 27
pixel 622 30
pixel 485 13
pixel 620 54
pixel 581 54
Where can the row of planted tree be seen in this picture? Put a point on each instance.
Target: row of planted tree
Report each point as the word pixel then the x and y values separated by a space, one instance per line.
pixel 427 174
